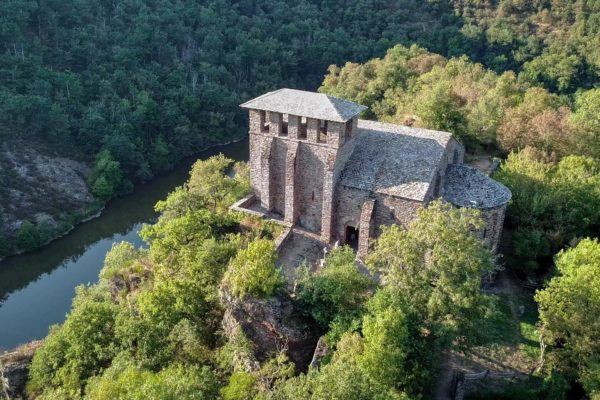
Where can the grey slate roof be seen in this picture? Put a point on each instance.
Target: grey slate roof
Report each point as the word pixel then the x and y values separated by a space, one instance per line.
pixel 395 160
pixel 466 186
pixel 306 104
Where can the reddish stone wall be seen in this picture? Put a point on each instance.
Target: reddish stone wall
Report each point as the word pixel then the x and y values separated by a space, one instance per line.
pixel 296 176
pixel 493 219
pixel 366 228
pixel 309 185
pixel 386 211
pixel 392 210
pixel 277 173
pixel 255 167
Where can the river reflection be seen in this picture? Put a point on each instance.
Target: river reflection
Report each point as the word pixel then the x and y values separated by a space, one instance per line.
pixel 36 289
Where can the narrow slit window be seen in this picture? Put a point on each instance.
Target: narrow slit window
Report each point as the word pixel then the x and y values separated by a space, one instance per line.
pixel 349 126
pixel 322 131
pixel 264 122
pixel 302 128
pixel 284 125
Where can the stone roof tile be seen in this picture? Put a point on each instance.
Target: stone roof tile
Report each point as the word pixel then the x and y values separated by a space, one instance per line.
pixel 306 104
pixel 395 160
pixel 466 186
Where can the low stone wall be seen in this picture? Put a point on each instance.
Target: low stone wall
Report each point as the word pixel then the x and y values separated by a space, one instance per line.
pixel 243 205
pixel 470 383
pixel 283 238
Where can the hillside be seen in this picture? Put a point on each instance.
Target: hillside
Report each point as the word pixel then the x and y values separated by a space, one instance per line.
pixel 205 311
pixel 131 87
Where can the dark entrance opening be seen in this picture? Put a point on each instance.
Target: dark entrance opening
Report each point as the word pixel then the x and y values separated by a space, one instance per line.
pixel 352 237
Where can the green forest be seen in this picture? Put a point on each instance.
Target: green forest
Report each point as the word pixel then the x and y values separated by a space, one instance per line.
pixel 133 86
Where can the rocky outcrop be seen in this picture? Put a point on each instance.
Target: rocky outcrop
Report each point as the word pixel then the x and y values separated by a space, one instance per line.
pixel 43 188
pixel 322 350
pixel 14 370
pixel 271 325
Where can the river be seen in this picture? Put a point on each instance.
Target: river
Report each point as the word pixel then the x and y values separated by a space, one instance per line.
pixel 36 289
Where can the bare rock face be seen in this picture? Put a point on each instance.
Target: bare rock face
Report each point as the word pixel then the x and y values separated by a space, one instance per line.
pixel 14 370
pixel 271 325
pixel 43 188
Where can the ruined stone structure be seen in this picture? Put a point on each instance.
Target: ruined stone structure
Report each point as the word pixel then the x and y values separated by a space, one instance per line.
pixel 316 166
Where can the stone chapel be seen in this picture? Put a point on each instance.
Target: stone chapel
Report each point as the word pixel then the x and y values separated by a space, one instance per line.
pixel 317 167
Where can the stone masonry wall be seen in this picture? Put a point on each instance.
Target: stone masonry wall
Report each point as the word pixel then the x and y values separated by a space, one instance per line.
pixel 293 175
pixel 454 154
pixel 278 173
pixel 348 207
pixel 366 228
pixel 493 219
pixel 343 154
pixel 255 169
pixel 309 185
pixel 387 210
pixel 393 210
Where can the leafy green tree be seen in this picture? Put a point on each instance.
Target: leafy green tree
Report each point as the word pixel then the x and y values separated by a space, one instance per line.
pixel 253 271
pixel 82 347
pixel 556 71
pixel 121 261
pixel 568 308
pixel 586 122
pixel 106 177
pixel 342 378
pixel 337 292
pixel 538 121
pixel 29 237
pixel 172 383
pixel 530 244
pixel 210 185
pixel 561 200
pixel 396 351
pixel 241 386
pixel 437 263
pixel 437 108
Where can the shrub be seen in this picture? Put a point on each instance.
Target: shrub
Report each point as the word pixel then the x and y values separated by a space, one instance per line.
pixel 80 348
pixel 175 382
pixel 338 291
pixel 29 237
pixel 253 271
pixel 241 386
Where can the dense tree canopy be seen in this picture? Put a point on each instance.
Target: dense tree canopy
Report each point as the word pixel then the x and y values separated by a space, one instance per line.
pixel 552 203
pixel 134 85
pixel 568 309
pixel 151 326
pixel 143 83
pixel 438 264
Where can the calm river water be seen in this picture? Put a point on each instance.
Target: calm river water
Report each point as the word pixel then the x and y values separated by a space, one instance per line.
pixel 36 289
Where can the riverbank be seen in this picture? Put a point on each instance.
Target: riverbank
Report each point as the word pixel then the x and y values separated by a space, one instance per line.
pixel 50 220
pixel 36 288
